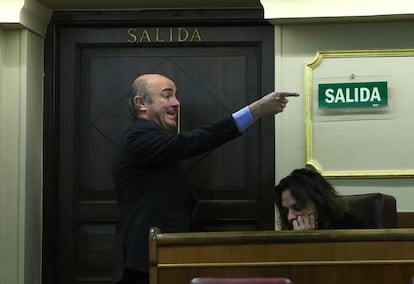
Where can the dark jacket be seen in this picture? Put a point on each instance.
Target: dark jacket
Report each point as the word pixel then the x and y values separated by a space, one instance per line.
pixel 150 185
pixel 348 221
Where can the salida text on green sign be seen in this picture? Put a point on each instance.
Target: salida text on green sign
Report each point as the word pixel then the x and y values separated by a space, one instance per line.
pixel 361 94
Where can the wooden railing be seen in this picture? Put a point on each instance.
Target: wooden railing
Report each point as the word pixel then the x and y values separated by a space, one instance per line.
pixel 306 257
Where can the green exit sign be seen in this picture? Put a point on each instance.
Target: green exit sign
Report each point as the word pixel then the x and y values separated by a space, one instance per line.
pixel 350 95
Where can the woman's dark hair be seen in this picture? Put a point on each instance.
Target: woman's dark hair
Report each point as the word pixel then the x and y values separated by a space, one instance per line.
pixel 306 185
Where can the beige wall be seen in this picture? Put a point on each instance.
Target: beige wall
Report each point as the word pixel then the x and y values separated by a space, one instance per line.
pixel 21 118
pixel 306 10
pixel 9 160
pixel 22 28
pixel 33 125
pixel 296 46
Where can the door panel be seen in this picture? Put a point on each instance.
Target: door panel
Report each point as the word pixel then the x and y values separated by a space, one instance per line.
pixel 94 68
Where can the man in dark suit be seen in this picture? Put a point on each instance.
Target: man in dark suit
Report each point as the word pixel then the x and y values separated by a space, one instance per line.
pixel 150 185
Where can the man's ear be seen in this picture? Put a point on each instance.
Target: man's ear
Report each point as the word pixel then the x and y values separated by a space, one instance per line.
pixel 139 104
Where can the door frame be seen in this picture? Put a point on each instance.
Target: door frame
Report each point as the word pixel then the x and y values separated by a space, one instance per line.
pixel 62 19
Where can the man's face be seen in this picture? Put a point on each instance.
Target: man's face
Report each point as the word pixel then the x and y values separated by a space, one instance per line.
pixel 294 210
pixel 164 106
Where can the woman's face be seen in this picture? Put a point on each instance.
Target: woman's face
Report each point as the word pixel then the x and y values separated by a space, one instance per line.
pixel 294 210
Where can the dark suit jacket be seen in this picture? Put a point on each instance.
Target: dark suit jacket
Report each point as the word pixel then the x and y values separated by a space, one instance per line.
pixel 348 221
pixel 151 188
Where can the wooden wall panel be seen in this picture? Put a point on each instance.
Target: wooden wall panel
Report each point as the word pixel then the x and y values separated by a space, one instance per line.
pixel 323 256
pixel 406 220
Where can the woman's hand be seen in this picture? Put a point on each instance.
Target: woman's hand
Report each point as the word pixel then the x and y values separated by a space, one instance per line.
pixel 305 222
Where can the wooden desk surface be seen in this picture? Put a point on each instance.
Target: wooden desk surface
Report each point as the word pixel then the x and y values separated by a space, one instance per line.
pixel 323 256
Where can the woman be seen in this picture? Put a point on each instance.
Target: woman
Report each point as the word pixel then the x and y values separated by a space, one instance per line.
pixel 307 201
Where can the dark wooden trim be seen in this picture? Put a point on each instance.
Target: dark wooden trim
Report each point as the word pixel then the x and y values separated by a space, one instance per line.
pixel 50 160
pixel 168 17
pixel 161 17
pixel 405 220
pixel 286 236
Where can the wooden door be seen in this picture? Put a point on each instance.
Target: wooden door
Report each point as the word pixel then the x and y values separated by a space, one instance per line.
pixel 217 70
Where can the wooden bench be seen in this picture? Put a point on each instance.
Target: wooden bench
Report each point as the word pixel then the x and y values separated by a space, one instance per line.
pixel 323 256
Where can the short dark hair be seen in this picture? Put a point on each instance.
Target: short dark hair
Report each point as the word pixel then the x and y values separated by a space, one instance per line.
pixel 307 185
pixel 138 89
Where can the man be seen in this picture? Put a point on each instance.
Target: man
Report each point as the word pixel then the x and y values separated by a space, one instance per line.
pixel 151 189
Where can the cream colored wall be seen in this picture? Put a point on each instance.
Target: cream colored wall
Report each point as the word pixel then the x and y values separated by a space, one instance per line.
pixel 10 11
pixel 296 46
pixel 32 88
pixel 305 9
pixel 11 248
pixel 21 119
pixel 22 29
